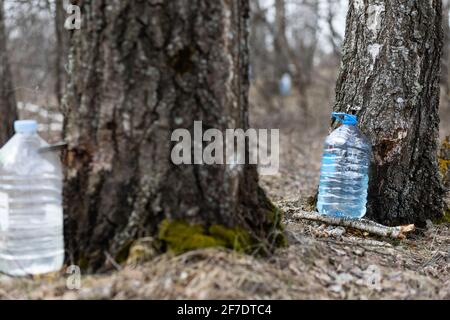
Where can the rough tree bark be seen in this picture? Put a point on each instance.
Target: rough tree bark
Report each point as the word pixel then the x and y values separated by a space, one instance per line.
pixel 390 79
pixel 140 70
pixel 8 109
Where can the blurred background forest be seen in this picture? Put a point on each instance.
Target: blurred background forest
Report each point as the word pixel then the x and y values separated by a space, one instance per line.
pixel 295 48
pixel 295 54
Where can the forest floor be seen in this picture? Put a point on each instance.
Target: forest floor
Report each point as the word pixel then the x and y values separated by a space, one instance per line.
pixel 321 262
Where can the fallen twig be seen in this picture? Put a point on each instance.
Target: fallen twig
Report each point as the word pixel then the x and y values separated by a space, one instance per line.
pixel 112 261
pixel 360 224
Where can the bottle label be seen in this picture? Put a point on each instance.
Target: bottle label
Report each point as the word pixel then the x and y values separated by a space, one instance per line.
pixel 4 211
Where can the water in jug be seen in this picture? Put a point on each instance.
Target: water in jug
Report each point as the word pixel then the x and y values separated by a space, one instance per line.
pixel 31 217
pixel 344 173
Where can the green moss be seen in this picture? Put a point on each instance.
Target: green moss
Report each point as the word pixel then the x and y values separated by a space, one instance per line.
pixel 444 166
pixel 444 161
pixel 445 218
pixel 235 238
pixel 142 250
pixel 179 237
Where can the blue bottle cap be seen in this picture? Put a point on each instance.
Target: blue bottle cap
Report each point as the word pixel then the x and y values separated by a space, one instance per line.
pixel 345 118
pixel 25 126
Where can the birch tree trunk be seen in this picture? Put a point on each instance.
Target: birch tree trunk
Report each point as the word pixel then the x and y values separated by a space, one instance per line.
pixel 8 109
pixel 389 77
pixel 140 70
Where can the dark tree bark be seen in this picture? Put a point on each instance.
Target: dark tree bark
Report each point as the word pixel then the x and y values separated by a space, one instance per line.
pixel 390 79
pixel 61 50
pixel 139 70
pixel 8 109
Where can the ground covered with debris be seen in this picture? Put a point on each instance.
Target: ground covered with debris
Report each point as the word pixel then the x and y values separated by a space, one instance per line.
pixel 321 262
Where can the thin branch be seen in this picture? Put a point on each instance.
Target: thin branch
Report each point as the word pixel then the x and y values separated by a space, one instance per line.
pixel 360 224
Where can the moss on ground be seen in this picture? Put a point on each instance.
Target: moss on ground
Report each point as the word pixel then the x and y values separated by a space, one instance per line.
pixel 444 161
pixel 444 168
pixel 444 165
pixel 445 218
pixel 179 236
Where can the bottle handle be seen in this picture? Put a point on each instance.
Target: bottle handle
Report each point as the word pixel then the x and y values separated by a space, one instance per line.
pixel 345 118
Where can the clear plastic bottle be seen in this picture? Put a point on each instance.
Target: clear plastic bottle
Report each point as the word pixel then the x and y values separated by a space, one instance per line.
pixel 31 217
pixel 344 172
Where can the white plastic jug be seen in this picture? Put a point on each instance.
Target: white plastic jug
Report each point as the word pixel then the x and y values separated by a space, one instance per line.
pixel 31 215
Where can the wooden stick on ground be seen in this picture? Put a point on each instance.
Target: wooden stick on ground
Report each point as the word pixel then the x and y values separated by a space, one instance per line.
pixel 360 224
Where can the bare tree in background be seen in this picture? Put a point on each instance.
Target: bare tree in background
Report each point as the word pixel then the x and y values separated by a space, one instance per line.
pixel 297 59
pixel 334 36
pixel 445 48
pixel 8 110
pixel 390 79
pixel 33 44
pixel 445 66
pixel 285 38
pixel 281 44
pixel 138 73
pixel 62 50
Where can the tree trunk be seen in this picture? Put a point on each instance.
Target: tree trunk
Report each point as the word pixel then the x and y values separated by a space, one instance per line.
pixel 390 79
pixel 287 59
pixel 140 70
pixel 61 50
pixel 8 110
pixel 281 47
pixel 281 44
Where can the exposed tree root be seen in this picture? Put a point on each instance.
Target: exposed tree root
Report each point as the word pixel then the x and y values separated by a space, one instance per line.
pixel 360 224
